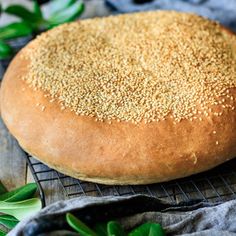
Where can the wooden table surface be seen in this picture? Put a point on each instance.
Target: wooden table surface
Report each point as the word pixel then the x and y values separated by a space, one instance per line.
pixel 13 169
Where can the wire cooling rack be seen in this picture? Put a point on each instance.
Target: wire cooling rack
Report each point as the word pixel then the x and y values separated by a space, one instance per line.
pixel 217 185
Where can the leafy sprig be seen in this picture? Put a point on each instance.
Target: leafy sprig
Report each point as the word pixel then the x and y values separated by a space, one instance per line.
pixel 113 228
pixel 17 205
pixel 33 21
pixel 19 194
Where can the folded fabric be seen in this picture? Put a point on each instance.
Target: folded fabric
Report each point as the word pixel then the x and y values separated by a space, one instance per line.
pixel 200 219
pixel 223 11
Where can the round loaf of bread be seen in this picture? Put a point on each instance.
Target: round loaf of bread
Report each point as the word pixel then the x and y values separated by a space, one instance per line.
pixel 129 99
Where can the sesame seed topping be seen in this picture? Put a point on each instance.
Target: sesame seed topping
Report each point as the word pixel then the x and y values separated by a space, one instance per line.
pixel 136 67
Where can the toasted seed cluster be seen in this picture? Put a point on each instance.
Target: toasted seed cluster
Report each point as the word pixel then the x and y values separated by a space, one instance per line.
pixel 138 67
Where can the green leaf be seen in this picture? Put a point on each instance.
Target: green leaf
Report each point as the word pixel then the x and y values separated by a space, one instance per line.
pixel 2 188
pixel 67 14
pixel 101 229
pixel 5 52
pixel 22 209
pixel 79 226
pixel 2 233
pixel 15 30
pixel 114 229
pixel 148 229
pixel 37 9
pixel 156 230
pixel 8 221
pixel 23 13
pixel 20 194
pixel 58 5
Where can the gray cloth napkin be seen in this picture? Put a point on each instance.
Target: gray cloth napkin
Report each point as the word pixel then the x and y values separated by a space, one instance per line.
pixel 223 11
pixel 201 219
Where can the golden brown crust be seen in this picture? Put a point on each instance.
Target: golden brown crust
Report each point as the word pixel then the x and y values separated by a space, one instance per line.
pixel 117 153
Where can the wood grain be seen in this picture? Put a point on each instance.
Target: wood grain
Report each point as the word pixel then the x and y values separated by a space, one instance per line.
pixel 12 163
